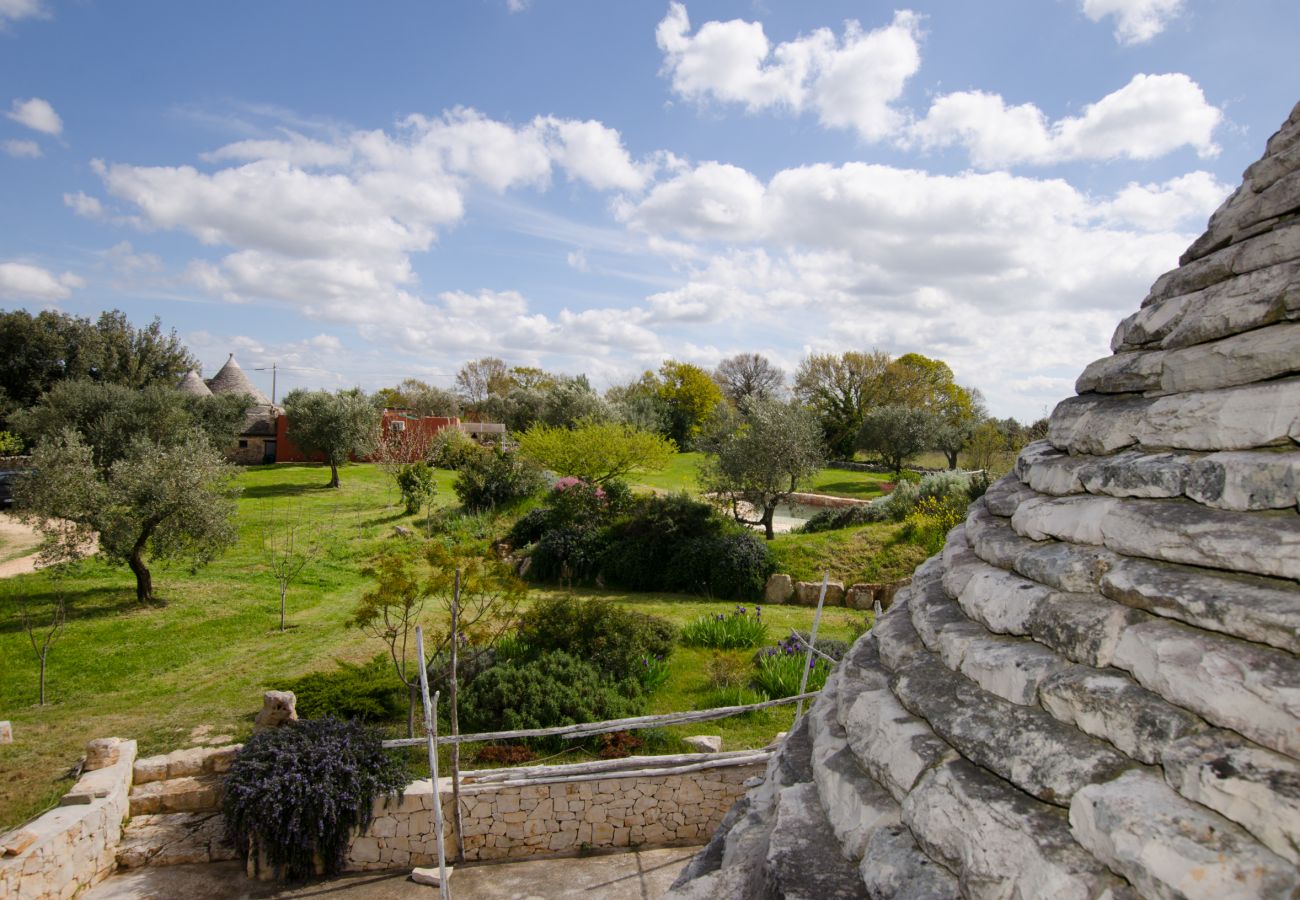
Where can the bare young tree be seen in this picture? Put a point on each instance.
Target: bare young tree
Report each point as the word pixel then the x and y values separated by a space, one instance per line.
pixel 288 550
pixel 42 632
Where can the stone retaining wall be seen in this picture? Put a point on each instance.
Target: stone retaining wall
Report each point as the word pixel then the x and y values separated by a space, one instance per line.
pixel 74 845
pixel 553 818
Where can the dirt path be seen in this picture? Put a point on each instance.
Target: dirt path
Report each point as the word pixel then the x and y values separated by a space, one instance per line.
pixel 18 545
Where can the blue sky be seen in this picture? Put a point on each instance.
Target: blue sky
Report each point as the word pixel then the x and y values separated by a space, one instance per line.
pixel 366 192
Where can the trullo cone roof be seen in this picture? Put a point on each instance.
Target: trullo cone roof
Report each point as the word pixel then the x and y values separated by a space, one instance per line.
pixel 193 384
pixel 1094 691
pixel 232 380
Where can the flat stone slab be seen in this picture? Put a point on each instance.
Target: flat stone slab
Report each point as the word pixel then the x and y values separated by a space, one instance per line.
pixel 1168 846
pixel 803 857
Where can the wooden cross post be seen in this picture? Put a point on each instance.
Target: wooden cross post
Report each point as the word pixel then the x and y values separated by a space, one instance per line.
pixel 431 734
pixel 812 642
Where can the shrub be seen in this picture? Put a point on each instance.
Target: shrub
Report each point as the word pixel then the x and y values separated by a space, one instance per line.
pixel 529 528
pixel 931 519
pixel 505 754
pixel 496 479
pixel 845 517
pixel 726 671
pixel 679 544
pixel 454 449
pixel 778 670
pixel 946 487
pixel 726 632
pixel 365 692
pixel 416 482
pixel 608 636
pixel 556 688
pixel 295 793
pixel 728 566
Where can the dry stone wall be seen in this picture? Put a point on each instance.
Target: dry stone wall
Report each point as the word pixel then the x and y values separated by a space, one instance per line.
pixel 1094 690
pixel 550 817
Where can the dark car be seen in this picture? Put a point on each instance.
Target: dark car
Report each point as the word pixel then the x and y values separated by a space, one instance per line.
pixel 7 479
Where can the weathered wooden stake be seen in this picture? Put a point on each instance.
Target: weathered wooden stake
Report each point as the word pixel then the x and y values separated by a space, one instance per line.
pixel 812 642
pixel 455 719
pixel 431 735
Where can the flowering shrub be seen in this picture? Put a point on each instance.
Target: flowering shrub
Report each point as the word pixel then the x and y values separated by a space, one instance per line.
pixel 931 519
pixel 726 632
pixel 294 794
pixel 778 670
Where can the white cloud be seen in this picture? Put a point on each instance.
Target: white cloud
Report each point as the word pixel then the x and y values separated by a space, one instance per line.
pixel 84 205
pixel 517 6
pixel 1003 276
pixel 16 10
pixel 23 149
pixel 1186 200
pixel 1136 21
pixel 36 114
pixel 124 258
pixel 23 281
pixel 851 81
pixel 577 259
pixel 1149 117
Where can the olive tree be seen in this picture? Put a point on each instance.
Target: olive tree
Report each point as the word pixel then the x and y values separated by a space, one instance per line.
pixel 756 467
pixel 337 426
pixel 157 501
pixel 897 433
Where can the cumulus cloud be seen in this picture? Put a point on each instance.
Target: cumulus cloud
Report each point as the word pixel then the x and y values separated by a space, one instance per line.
pixel 1136 21
pixel 16 10
pixel 850 81
pixel 36 114
pixel 23 281
pixel 23 149
pixel 1003 276
pixel 84 205
pixel 1149 117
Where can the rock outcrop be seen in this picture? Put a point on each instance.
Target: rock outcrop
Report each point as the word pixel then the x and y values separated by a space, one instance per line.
pixel 1094 690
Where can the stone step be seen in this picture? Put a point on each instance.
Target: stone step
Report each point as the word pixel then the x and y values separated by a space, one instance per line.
pixel 894 867
pixel 184 763
pixel 173 839
pixel 1005 495
pixel 1001 841
pixel 1261 298
pixel 854 804
pixel 1251 689
pixel 1176 531
pixel 1011 668
pixel 1168 846
pixel 200 793
pixel 993 539
pixel 1256 788
pixel 1025 745
pixel 803 860
pixel 1107 704
pixel 1256 609
pixel 1235 418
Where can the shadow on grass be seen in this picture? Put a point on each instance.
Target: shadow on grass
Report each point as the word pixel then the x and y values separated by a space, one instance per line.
pixel 82 603
pixel 848 487
pixel 262 491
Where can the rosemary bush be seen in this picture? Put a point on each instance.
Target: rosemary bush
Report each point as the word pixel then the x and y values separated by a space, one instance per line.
pixel 295 793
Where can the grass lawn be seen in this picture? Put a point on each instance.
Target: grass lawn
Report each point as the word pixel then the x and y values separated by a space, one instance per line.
pixel 682 474
pixel 869 553
pixel 205 656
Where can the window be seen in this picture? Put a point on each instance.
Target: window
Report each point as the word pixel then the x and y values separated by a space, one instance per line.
pixel 243 445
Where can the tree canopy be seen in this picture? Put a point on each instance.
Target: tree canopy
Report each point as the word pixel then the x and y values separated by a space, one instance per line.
pixel 689 395
pixel 760 464
pixel 36 352
pixel 841 388
pixel 337 425
pixel 747 376
pixel 597 452
pixel 897 433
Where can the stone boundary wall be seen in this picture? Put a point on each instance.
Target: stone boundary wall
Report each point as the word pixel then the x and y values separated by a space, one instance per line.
pixel 74 845
pixel 551 817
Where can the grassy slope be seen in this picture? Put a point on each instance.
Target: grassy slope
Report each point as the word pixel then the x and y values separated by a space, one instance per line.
pixel 204 658
pixel 869 553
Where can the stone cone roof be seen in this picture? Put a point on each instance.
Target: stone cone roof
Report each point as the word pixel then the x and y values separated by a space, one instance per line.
pixel 232 380
pixel 1094 691
pixel 193 384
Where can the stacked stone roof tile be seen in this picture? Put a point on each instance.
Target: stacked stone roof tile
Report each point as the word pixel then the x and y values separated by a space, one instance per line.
pixel 1094 690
